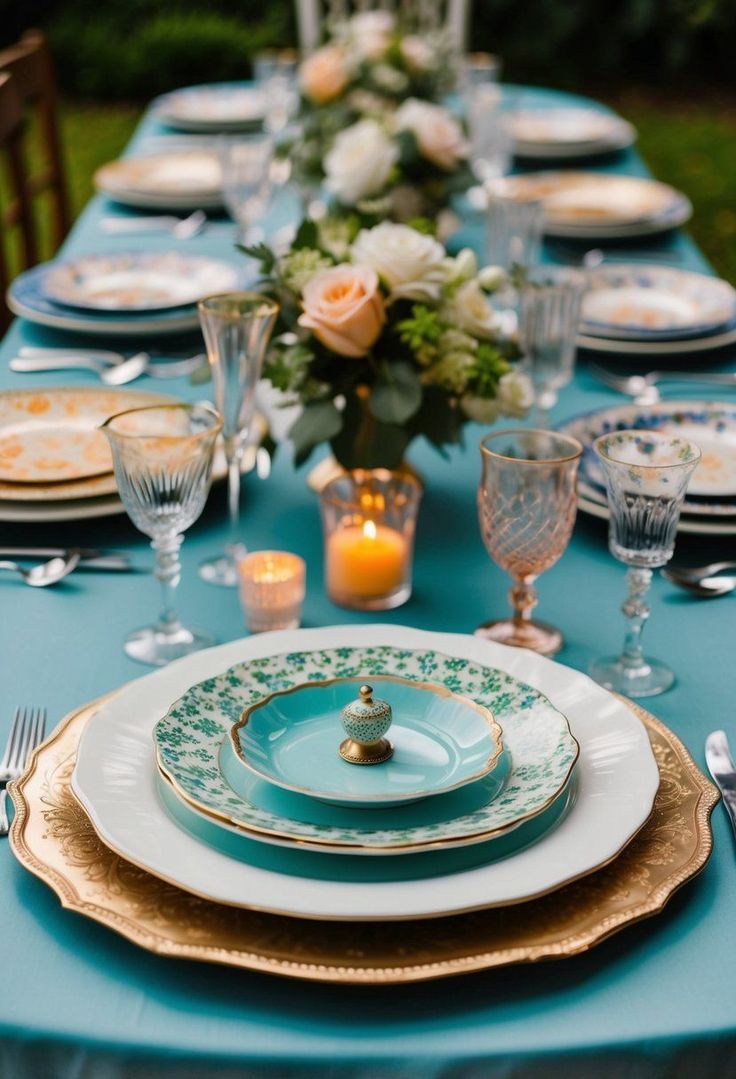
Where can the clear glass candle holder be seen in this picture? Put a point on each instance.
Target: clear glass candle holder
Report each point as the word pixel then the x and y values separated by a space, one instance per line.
pixel 646 474
pixel 369 519
pixel 272 587
pixel 549 316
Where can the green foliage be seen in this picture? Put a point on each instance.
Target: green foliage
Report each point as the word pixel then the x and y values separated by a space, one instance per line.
pixel 319 422
pixel 397 393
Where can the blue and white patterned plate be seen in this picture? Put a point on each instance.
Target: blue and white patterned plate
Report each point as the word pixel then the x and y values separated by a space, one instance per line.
pixel 135 281
pixel 639 302
pixel 195 754
pixel 27 297
pixel 710 424
pixel 441 741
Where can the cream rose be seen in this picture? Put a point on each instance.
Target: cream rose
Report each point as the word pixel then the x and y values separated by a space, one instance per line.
pixel 416 53
pixel 360 162
pixel 344 309
pixel 469 310
pixel 411 264
pixel 439 136
pixel 370 33
pixel 324 75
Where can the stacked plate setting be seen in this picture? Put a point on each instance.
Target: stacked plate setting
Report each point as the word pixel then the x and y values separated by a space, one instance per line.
pixel 168 787
pixel 710 503
pixel 126 293
pixel 639 310
pixel 558 133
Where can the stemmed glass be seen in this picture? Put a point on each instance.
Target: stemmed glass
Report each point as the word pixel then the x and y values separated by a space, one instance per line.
pixel 646 475
pixel 549 317
pixel 490 138
pixel 162 456
pixel 513 229
pixel 246 181
pixel 237 327
pixel 527 505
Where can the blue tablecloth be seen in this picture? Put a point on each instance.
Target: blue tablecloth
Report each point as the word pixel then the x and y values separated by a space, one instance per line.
pixel 78 1001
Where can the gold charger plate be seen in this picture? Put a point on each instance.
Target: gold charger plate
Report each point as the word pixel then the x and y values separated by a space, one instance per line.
pixel 52 837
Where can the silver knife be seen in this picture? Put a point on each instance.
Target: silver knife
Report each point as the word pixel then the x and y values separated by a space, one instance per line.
pixel 721 767
pixel 90 558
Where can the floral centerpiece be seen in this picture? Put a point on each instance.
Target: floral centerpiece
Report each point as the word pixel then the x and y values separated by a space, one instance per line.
pixel 372 128
pixel 384 338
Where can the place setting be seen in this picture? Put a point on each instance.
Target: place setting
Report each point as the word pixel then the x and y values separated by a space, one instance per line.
pixel 318 666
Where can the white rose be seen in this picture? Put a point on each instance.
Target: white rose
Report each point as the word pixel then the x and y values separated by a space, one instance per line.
pixel 514 397
pixel 410 262
pixel 360 162
pixel 480 409
pixel 491 278
pixel 469 310
pixel 370 33
pixel 417 54
pixel 515 394
pixel 439 136
pixel 461 268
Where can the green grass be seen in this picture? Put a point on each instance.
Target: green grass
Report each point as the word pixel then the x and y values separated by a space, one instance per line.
pixel 690 145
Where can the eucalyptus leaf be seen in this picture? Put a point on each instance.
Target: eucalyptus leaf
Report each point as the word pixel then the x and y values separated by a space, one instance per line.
pixel 397 393
pixel 320 421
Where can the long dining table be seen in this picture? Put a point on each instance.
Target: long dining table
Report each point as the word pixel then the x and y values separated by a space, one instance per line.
pixel 78 1001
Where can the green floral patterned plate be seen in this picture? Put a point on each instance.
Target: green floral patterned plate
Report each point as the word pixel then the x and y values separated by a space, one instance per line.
pixel 196 756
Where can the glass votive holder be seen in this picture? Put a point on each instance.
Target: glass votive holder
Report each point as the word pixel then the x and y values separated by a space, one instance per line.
pixel 272 585
pixel 369 519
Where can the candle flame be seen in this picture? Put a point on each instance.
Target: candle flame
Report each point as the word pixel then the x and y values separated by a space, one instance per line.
pixel 369 530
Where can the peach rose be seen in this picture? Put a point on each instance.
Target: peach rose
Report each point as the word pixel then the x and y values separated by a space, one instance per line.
pixel 344 309
pixel 324 74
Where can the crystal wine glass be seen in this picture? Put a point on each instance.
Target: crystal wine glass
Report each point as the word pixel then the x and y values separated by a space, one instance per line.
pixel 246 181
pixel 549 317
pixel 513 229
pixel 237 327
pixel 491 143
pixel 162 456
pixel 527 505
pixel 646 475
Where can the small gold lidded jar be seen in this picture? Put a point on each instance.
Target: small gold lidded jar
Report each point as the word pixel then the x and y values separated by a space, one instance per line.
pixel 366 722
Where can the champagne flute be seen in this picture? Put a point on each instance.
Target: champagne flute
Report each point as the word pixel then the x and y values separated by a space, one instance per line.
pixel 246 181
pixel 237 327
pixel 646 474
pixel 527 506
pixel 162 456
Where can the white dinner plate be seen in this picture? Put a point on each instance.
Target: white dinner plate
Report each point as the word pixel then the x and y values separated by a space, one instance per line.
pixel 213 107
pixel 551 133
pixel 642 302
pixel 599 205
pixel 685 346
pixel 138 280
pixel 616 777
pixel 185 179
pixel 588 502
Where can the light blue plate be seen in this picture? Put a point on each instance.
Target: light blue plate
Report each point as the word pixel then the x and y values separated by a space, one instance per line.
pixel 228 839
pixel 442 741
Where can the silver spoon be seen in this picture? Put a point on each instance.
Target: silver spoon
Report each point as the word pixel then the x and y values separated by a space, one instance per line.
pixel 112 374
pixel 706 587
pixel 45 573
pixel 698 572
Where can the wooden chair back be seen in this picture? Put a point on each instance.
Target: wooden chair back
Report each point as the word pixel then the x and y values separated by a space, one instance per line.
pixel 18 211
pixel 30 64
pixel 424 15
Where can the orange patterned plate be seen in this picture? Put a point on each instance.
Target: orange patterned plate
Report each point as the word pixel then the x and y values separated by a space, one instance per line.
pixel 53 436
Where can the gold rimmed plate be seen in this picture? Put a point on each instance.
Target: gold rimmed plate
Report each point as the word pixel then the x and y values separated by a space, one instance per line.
pixel 53 838
pixel 441 741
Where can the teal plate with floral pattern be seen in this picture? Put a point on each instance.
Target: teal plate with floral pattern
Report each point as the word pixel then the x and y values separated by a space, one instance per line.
pixel 208 776
pixel 440 741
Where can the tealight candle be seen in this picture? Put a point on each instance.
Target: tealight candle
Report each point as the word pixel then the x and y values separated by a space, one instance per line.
pixel 271 589
pixel 369 530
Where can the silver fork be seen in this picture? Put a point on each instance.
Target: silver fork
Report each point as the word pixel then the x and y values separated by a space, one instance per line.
pixel 645 388
pixel 26 732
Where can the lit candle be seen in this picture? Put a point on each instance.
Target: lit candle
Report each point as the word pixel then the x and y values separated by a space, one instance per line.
pixel 365 561
pixel 271 589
